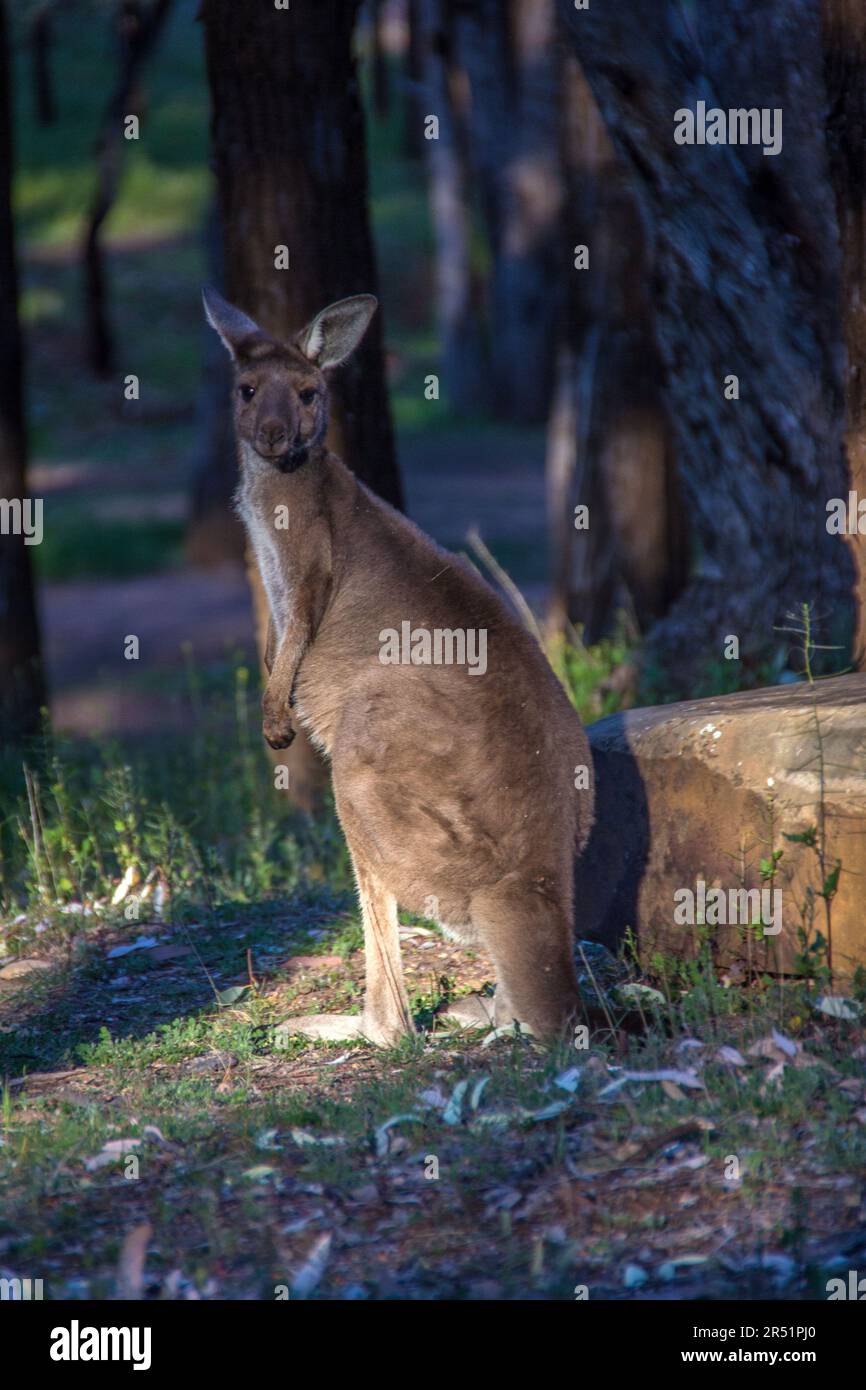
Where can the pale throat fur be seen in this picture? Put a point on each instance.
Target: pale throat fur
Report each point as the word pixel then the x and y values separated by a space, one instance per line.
pixel 261 489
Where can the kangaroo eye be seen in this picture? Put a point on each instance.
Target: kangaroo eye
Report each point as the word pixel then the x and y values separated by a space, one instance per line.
pixel 307 397
pixel 247 392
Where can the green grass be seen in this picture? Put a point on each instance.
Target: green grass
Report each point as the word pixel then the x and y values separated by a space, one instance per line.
pixel 241 1137
pixel 201 808
pixel 230 1151
pixel 585 670
pixel 78 547
pixel 165 181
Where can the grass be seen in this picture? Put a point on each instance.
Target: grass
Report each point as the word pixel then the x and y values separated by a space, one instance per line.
pixel 165 184
pixel 245 1156
pixel 125 548
pixel 153 1087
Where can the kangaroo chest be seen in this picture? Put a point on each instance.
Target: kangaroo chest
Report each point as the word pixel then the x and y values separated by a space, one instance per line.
pixel 272 556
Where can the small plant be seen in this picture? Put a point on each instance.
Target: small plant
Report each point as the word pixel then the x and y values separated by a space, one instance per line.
pixel 587 672
pixel 815 957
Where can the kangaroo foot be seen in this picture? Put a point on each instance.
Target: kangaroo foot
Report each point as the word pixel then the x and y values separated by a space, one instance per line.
pixel 473 1011
pixel 326 1027
pixel 386 1034
pixel 342 1028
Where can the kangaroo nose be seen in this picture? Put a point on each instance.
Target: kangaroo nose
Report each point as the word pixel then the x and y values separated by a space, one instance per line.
pixel 272 433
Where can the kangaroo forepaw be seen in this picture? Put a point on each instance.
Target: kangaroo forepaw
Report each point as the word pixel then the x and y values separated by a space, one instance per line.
pixel 276 724
pixel 278 737
pixel 472 1011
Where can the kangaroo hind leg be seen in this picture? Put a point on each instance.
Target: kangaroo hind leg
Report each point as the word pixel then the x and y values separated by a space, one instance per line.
pixel 529 937
pixel 387 1015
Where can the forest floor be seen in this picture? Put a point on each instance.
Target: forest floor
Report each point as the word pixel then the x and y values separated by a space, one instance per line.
pixel 159 1134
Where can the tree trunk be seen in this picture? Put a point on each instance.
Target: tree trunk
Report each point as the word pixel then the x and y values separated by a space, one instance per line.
pixel 41 42
pixel 745 281
pixel 510 58
pixel 379 57
pixel 21 685
pixel 844 25
pixel 458 284
pixel 138 30
pixel 609 440
pixel 413 117
pixel 289 155
pixel 214 532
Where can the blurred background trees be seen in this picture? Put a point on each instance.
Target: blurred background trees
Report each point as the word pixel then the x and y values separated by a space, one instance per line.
pixel 21 689
pixel 565 294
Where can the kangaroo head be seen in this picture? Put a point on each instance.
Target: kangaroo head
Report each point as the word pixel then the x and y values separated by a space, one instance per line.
pixel 280 389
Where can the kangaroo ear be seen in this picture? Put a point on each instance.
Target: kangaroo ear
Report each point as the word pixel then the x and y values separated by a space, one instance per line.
pixel 333 334
pixel 241 334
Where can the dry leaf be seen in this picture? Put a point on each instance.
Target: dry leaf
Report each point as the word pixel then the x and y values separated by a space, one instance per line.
pixel 673 1092
pixel 130 1265
pixel 111 1152
pixel 310 1273
pixel 679 1078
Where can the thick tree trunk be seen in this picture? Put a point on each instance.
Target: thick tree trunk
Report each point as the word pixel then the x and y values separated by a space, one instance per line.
pixel 139 28
pixel 289 155
pixel 381 84
pixel 41 43
pixel 413 127
pixel 845 69
pixel 458 283
pixel 610 445
pixel 509 54
pixel 745 281
pixel 214 532
pixel 21 687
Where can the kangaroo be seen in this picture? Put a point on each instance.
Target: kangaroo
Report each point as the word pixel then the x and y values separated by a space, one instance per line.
pixel 453 747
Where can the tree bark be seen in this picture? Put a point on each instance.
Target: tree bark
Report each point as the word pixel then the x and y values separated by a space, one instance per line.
pixel 379 59
pixel 844 28
pixel 458 284
pixel 22 692
pixel 214 532
pixel 413 134
pixel 509 54
pixel 41 43
pixel 289 155
pixel 609 439
pixel 745 281
pixel 138 30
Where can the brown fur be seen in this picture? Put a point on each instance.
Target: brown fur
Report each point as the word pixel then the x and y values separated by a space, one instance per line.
pixel 455 791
